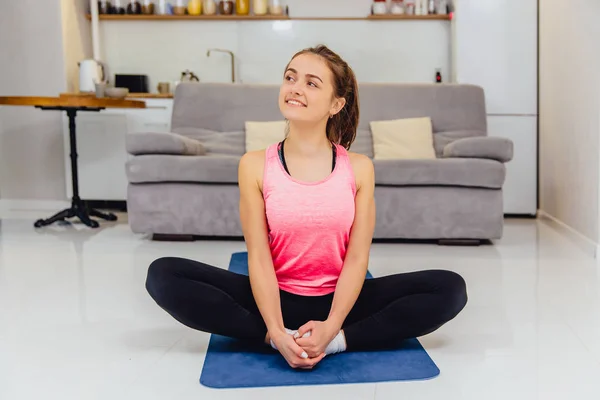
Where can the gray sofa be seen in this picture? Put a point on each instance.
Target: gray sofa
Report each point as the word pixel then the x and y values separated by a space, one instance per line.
pixel 185 182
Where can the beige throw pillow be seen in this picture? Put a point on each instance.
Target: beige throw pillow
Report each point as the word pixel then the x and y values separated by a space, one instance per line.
pixel 260 135
pixel 407 138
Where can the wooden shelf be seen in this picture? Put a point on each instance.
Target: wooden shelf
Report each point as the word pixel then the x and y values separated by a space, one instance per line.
pixel 388 17
pixel 126 17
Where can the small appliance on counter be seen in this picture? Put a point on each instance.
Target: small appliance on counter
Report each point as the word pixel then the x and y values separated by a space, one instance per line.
pixel 90 73
pixel 135 83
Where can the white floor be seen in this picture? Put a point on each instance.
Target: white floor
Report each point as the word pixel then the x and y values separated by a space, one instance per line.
pixel 76 322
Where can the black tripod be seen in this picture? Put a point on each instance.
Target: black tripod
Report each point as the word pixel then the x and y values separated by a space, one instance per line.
pixel 78 208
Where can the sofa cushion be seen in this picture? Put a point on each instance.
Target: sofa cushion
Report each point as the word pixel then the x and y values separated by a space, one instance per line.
pixel 228 143
pixel 493 148
pixel 170 168
pixel 442 139
pixel 260 135
pixel 163 143
pixel 466 172
pixel 406 138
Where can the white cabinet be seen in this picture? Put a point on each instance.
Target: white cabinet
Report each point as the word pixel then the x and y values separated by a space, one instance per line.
pixel 101 146
pixel 495 47
pixel 520 187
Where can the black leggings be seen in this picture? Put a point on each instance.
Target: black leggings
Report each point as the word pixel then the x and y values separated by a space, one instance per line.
pixel 388 309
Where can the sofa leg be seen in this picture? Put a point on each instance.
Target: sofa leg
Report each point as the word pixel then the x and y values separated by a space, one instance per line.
pixel 459 242
pixel 161 237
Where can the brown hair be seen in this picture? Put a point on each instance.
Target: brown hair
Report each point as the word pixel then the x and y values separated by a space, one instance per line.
pixel 341 128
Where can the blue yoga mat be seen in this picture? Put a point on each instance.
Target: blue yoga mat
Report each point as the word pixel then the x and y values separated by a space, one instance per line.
pixel 231 363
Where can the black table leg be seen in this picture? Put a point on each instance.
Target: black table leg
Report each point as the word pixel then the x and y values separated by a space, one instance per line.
pixel 78 208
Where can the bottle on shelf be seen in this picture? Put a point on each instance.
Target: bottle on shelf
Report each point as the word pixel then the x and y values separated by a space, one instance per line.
pixel 431 7
pixel 105 7
pixel 438 76
pixel 134 7
pixel 260 7
pixel 163 7
pixel 242 7
pixel 194 7
pixel 148 7
pixel 210 7
pixel 397 7
pixel 379 7
pixel 442 7
pixel 226 7
pixel 423 7
pixel 180 7
pixel 119 7
pixel 276 7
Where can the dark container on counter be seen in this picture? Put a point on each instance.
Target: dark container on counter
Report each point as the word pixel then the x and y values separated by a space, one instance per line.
pixel 226 7
pixel 134 7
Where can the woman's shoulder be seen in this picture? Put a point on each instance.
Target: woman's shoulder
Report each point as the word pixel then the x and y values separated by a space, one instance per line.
pixel 252 166
pixel 251 159
pixel 363 169
pixel 360 161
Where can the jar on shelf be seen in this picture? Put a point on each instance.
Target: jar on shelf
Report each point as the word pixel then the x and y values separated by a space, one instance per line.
pixel 409 7
pixel 260 7
pixel 242 7
pixel 180 7
pixel 420 7
pixel 442 7
pixel 148 7
pixel 276 7
pixel 210 7
pixel 194 7
pixel 119 6
pixel 134 7
pixel 379 7
pixel 105 7
pixel 226 7
pixel 163 7
pixel 397 7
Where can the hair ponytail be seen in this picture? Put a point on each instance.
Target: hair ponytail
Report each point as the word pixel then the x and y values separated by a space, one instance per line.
pixel 341 127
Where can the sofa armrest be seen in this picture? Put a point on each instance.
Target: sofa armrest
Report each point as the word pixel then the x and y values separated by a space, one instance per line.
pixel 163 143
pixel 494 148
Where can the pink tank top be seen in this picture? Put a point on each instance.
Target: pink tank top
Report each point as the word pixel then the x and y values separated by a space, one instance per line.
pixel 309 224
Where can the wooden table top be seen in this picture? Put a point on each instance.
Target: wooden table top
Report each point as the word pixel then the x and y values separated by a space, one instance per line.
pixel 89 101
pixel 129 96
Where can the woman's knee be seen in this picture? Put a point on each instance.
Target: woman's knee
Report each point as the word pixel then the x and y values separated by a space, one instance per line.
pixel 453 289
pixel 160 273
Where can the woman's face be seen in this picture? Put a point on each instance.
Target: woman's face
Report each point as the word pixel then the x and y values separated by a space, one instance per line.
pixel 307 93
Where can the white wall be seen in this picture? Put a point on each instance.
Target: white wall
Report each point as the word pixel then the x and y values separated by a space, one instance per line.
pixel 569 113
pixel 31 146
pixel 379 51
pixel 77 40
pixel 39 58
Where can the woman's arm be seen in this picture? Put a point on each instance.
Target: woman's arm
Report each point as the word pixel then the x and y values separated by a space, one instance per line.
pixel 254 226
pixel 356 262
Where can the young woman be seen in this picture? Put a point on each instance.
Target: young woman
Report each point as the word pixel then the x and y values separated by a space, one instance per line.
pixel 308 213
